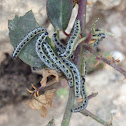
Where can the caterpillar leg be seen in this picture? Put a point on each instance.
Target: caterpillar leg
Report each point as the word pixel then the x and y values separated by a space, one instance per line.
pixel 41 54
pixel 25 40
pixel 58 62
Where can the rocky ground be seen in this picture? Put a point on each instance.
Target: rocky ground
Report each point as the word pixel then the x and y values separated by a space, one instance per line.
pixel 15 76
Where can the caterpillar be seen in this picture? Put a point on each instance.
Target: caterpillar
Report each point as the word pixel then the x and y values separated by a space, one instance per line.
pixel 71 66
pixel 59 46
pixel 58 62
pixel 76 75
pixel 96 43
pixel 73 39
pixel 83 93
pixel 50 59
pixel 41 54
pixel 99 37
pixel 25 40
pixel 85 102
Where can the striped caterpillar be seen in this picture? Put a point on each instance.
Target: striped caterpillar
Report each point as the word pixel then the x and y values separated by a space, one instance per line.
pixel 85 102
pixel 59 46
pixel 99 37
pixel 58 62
pixel 41 54
pixel 83 93
pixel 50 59
pixel 76 76
pixel 72 66
pixel 25 40
pixel 73 39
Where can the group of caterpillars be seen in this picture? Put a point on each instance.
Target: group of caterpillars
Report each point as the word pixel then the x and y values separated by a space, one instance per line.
pixel 59 58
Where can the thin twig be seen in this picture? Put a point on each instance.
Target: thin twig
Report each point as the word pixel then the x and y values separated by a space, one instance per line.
pixel 98 57
pixel 88 113
pixel 92 95
pixel 68 114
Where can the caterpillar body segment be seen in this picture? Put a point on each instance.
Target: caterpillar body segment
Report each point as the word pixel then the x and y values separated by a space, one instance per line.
pixel 99 37
pixel 85 102
pixel 59 52
pixel 55 67
pixel 96 43
pixel 73 39
pixel 60 48
pixel 58 44
pixel 83 93
pixel 59 63
pixel 41 54
pixel 25 40
pixel 76 76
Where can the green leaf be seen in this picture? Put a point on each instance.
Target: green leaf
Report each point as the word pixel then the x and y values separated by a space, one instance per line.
pixel 59 12
pixel 18 28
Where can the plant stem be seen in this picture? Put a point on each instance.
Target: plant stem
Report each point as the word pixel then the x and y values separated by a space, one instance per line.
pixel 68 114
pixel 81 16
pixel 86 112
pixel 98 57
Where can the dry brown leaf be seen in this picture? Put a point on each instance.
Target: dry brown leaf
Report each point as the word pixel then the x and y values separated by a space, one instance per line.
pixel 37 102
pixel 50 94
pixel 44 112
pixel 46 73
pixel 42 102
